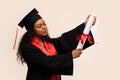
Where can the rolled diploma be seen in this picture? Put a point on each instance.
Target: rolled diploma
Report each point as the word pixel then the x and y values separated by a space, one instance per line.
pixel 86 31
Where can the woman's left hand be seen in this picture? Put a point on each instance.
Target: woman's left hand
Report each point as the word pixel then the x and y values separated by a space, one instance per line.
pixel 88 18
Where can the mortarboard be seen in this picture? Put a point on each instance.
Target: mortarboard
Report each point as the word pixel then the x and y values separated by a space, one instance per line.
pixel 29 20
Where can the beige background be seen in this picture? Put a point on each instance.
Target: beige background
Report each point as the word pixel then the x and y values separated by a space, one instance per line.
pixel 99 62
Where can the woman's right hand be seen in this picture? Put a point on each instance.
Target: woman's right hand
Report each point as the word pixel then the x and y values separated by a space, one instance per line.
pixel 76 53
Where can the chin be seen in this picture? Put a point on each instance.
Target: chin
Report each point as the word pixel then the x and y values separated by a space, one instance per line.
pixel 45 35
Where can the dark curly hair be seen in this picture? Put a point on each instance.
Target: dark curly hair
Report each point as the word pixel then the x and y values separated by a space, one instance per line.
pixel 27 39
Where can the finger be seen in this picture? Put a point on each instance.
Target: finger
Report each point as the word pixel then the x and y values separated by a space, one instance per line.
pixel 94 20
pixel 80 53
pixel 79 49
pixel 95 17
pixel 89 15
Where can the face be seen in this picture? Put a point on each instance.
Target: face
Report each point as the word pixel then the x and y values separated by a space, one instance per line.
pixel 40 28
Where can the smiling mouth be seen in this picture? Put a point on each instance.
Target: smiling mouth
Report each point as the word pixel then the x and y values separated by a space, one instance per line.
pixel 45 31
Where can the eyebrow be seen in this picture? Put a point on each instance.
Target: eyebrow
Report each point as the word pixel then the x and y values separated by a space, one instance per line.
pixel 43 21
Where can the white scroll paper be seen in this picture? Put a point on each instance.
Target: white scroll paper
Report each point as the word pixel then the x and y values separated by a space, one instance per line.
pixel 86 31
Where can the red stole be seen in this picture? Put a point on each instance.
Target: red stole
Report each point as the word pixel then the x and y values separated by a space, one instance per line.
pixel 48 50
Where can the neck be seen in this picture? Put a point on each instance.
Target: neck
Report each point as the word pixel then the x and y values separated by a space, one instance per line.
pixel 39 38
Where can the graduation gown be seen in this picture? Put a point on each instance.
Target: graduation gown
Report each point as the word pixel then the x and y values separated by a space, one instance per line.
pixel 42 67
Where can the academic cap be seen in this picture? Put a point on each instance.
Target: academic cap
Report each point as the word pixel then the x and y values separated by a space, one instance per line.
pixel 29 20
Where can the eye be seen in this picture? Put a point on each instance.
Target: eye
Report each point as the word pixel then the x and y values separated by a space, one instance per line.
pixel 44 23
pixel 39 25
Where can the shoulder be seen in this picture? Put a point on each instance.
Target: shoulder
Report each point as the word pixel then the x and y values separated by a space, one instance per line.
pixel 28 47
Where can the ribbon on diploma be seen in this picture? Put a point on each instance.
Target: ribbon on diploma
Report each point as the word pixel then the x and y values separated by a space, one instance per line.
pixel 82 37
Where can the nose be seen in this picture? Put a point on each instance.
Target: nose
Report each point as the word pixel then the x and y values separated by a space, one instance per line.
pixel 44 27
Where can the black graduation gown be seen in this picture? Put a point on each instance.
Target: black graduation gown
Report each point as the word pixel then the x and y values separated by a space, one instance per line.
pixel 41 67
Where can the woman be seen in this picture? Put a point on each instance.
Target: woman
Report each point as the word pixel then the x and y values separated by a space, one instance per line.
pixel 47 58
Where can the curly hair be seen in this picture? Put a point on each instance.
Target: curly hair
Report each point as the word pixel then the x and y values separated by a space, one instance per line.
pixel 27 37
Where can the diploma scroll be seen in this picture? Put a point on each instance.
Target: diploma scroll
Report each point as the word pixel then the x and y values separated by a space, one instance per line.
pixel 85 33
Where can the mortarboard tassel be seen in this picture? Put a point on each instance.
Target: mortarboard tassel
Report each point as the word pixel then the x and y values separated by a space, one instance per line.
pixel 14 46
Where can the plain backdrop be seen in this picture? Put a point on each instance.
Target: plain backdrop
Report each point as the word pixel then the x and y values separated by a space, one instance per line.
pixel 99 62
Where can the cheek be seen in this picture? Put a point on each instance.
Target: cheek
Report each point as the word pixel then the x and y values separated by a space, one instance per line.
pixel 38 32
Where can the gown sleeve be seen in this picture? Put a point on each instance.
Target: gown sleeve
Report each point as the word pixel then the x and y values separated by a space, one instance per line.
pixel 35 59
pixel 67 41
